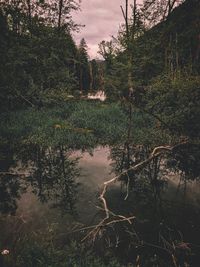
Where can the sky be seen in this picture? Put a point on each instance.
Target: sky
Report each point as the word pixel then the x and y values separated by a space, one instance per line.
pixel 101 18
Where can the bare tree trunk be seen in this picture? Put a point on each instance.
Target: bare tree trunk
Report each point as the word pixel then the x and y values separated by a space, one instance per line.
pixel 126 19
pixel 177 56
pixel 171 4
pixel 81 80
pixel 101 86
pixel 60 13
pixel 125 15
pixel 168 8
pixel 129 40
pixel 29 13
pixel 91 77
pixel 198 49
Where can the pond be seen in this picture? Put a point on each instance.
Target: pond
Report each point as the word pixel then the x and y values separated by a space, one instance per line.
pixel 94 169
pixel 60 188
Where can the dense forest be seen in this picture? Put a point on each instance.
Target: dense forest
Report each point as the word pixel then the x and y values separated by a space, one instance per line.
pixel 39 58
pixel 139 206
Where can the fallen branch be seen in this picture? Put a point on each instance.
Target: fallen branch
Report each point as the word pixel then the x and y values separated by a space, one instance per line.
pixel 157 151
pixel 103 223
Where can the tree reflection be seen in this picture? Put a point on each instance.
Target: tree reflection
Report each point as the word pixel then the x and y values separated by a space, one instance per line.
pixel 48 172
pixel 153 180
pixel 145 185
pixel 11 185
pixel 53 177
pixel 166 223
pixel 11 188
pixel 187 160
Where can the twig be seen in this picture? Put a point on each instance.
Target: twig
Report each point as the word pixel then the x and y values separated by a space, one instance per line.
pixel 103 223
pixel 127 193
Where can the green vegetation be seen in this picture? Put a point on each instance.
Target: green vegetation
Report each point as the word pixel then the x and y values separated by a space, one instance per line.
pixel 40 62
pixel 149 121
pixel 76 124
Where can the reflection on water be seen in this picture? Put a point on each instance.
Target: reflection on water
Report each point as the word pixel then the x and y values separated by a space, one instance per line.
pixel 95 169
pixel 55 178
pixel 162 198
pixel 46 172
pixel 55 187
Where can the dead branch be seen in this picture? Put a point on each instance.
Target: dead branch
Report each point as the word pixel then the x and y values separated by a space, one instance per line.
pixel 25 99
pixel 103 223
pixel 123 13
pixel 157 151
pixel 111 218
pixel 128 183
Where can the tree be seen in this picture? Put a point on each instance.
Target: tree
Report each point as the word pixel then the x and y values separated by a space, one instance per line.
pixel 83 67
pixel 155 11
pixel 168 100
pixel 36 58
pixel 95 75
pixel 59 15
pixel 107 51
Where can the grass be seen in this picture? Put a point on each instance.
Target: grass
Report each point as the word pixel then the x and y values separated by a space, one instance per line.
pixel 76 125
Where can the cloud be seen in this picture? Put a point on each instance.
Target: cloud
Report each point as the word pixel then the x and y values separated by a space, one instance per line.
pixel 101 18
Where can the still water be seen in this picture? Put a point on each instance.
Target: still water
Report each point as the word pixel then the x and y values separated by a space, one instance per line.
pixel 94 169
pixel 60 190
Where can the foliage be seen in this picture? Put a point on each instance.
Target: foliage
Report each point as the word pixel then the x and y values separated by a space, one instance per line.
pixel 167 48
pixel 176 103
pixel 35 245
pixel 75 124
pixel 155 75
pixel 39 61
pixel 156 10
pixel 73 255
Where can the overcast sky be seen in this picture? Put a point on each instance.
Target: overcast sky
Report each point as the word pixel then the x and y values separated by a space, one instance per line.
pixel 101 19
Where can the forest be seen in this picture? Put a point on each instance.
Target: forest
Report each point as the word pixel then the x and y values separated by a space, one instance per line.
pixel 92 182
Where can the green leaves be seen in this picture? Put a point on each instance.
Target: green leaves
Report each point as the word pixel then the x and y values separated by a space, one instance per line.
pixel 36 58
pixel 176 103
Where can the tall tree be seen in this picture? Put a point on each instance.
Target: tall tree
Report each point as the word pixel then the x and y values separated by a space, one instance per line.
pixel 96 75
pixel 83 66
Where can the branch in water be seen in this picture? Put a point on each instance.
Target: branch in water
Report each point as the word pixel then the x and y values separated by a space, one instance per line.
pixel 157 151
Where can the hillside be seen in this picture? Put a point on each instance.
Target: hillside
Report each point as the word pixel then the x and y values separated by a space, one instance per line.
pixel 170 45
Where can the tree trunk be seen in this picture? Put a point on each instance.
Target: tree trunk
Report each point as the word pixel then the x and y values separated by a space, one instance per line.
pixel 29 14
pixel 60 13
pixel 91 77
